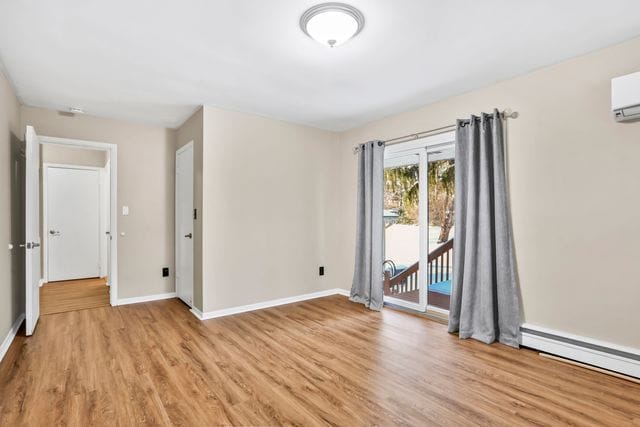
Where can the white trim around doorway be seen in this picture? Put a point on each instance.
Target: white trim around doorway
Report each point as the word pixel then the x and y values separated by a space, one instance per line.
pixel 112 150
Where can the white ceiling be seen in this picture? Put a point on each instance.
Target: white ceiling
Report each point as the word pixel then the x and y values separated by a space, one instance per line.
pixel 155 60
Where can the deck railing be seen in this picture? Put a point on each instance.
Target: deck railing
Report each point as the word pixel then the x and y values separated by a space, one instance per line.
pixel 439 268
pixel 440 263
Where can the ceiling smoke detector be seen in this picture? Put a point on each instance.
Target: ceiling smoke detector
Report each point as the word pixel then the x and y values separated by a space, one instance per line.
pixel 332 24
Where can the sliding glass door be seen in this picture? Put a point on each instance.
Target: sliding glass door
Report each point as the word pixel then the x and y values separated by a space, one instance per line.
pixel 418 218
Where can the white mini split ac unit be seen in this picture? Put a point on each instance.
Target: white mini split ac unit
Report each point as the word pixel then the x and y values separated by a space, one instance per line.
pixel 625 97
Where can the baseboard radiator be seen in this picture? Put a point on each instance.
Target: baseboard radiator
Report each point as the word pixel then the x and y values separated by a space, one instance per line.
pixel 612 357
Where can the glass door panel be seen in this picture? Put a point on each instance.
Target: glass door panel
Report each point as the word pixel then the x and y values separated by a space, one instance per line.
pixel 441 193
pixel 402 232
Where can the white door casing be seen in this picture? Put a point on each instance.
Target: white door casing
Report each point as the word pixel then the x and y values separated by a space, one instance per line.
pixel 73 223
pixel 184 223
pixel 112 164
pixel 105 222
pixel 32 230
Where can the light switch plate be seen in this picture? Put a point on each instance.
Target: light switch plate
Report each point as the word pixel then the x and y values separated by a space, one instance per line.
pixel 125 210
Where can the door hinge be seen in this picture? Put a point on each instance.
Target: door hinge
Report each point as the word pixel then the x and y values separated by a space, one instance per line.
pixel 195 214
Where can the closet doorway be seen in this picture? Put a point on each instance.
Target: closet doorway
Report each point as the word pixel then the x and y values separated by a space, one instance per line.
pixel 185 217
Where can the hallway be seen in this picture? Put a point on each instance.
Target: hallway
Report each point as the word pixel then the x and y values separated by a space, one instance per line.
pixel 72 295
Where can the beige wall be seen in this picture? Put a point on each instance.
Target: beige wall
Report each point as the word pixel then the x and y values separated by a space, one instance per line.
pixel 61 154
pixel 146 158
pixel 277 200
pixel 575 191
pixel 11 212
pixel 267 189
pixel 191 130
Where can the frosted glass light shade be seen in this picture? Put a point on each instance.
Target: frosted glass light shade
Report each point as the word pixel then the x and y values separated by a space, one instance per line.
pixel 332 24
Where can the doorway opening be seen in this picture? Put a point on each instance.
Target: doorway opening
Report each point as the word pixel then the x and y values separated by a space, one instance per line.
pixel 419 194
pixel 75 229
pixel 70 208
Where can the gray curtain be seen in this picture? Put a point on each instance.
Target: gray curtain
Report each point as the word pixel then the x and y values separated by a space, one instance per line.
pixel 485 300
pixel 368 276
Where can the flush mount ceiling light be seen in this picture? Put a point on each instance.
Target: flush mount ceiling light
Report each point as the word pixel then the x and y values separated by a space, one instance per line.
pixel 76 110
pixel 332 24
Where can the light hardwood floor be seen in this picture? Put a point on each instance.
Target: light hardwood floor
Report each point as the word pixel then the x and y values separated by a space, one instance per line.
pixel 71 295
pixel 320 362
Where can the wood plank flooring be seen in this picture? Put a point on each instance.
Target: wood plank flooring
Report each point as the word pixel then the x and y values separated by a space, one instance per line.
pixel 319 362
pixel 71 295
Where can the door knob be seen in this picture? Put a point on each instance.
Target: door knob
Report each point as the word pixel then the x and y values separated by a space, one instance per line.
pixel 189 236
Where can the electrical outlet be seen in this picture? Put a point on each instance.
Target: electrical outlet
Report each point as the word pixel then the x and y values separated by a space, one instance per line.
pixel 165 271
pixel 321 270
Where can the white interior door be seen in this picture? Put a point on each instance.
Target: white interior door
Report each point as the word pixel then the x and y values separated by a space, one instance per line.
pixel 32 230
pixel 73 223
pixel 184 223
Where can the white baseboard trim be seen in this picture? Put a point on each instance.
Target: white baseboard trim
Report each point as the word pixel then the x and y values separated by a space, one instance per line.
pixel 266 304
pixel 197 313
pixel 10 336
pixel 146 298
pixel 613 357
pixel 343 292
